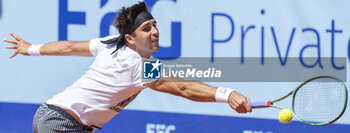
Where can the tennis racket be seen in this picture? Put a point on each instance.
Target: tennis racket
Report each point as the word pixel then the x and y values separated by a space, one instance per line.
pixel 318 101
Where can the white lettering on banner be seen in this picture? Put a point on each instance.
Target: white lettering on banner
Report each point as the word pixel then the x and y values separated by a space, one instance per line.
pixel 208 73
pixel 159 128
pixel 250 131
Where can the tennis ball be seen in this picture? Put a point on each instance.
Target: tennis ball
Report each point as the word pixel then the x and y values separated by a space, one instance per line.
pixel 285 116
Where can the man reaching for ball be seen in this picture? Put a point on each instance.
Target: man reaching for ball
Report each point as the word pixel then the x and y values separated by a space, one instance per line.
pixel 114 78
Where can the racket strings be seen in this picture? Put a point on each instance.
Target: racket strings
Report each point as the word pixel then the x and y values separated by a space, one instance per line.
pixel 321 100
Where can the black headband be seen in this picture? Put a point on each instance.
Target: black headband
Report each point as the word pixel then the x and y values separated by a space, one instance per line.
pixel 140 18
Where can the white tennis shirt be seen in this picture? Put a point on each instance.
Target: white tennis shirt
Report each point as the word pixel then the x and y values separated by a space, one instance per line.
pixel 111 82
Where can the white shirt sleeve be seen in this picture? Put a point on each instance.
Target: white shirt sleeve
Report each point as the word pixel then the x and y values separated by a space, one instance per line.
pixel 138 74
pixel 96 46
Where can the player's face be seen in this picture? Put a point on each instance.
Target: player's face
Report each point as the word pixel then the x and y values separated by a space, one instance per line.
pixel 147 36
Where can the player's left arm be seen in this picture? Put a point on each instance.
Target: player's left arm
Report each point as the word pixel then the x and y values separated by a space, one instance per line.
pixel 198 91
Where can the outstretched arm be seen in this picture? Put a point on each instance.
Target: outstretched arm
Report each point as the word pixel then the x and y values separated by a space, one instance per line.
pixel 198 91
pixel 60 48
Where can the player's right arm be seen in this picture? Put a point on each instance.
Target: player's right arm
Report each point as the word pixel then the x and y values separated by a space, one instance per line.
pixel 198 91
pixel 59 48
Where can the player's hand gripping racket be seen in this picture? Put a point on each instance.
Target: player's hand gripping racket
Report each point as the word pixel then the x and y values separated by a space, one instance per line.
pixel 318 101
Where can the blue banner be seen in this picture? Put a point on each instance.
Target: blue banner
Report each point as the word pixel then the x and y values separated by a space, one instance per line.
pixel 18 118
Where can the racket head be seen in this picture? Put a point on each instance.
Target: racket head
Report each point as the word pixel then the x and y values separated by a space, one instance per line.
pixel 320 101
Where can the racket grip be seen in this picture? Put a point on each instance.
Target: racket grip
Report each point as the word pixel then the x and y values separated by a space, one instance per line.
pixel 260 104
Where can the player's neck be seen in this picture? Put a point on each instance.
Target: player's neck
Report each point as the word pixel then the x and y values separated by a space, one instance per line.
pixel 144 54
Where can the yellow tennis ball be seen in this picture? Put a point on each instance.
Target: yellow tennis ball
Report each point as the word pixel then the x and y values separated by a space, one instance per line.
pixel 285 116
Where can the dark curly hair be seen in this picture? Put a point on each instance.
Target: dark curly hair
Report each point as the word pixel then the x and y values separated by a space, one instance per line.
pixel 126 17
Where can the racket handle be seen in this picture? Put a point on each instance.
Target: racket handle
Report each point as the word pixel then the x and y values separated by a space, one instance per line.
pixel 260 104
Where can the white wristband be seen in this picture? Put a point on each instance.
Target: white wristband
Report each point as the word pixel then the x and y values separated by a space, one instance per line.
pixel 222 94
pixel 34 50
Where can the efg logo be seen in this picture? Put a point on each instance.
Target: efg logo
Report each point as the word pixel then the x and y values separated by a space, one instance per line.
pixel 160 128
pixel 151 69
pixel 68 17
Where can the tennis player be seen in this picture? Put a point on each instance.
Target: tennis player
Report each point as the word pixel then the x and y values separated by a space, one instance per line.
pixel 114 78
